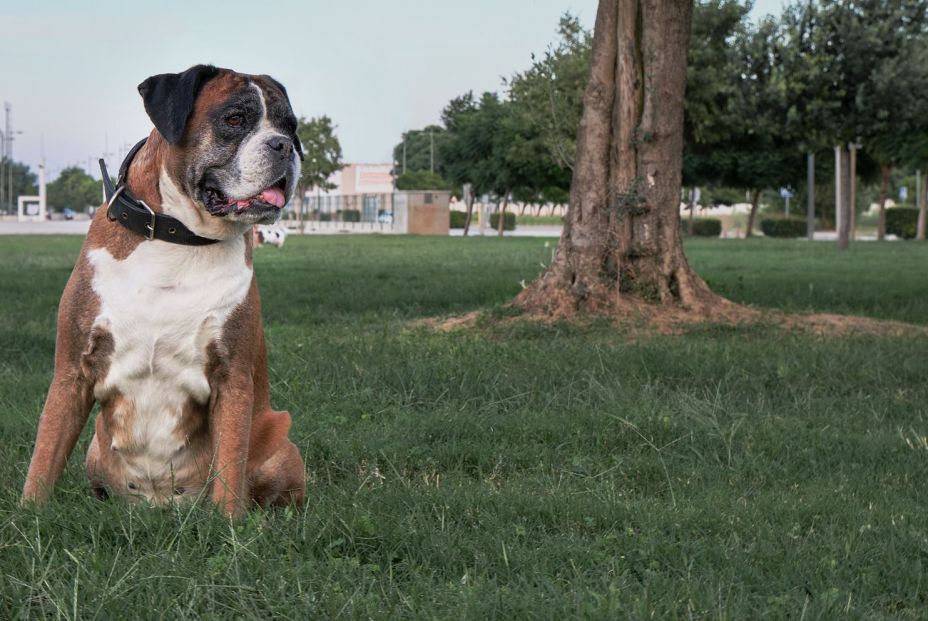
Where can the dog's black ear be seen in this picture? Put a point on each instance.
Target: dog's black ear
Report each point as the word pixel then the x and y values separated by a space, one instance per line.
pixel 169 98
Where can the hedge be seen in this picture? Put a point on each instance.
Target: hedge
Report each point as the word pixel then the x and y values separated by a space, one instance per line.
pixel 901 221
pixel 509 224
pixel 783 227
pixel 350 215
pixel 457 219
pixel 704 227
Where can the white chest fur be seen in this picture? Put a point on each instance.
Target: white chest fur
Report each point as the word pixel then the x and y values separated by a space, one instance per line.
pixel 163 304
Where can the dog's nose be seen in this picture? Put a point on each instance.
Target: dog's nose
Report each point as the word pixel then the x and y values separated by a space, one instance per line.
pixel 280 144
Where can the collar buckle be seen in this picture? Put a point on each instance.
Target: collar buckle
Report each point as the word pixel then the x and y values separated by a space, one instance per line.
pixel 151 225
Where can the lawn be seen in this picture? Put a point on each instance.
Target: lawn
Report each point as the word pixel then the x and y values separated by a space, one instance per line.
pixel 516 471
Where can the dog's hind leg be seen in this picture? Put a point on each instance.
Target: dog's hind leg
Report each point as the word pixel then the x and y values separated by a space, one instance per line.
pixel 276 475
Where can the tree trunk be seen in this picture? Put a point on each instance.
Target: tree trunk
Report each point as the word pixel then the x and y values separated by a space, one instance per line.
pixel 469 203
pixel 887 170
pixel 842 196
pixel 501 224
pixel 621 241
pixel 755 201
pixel 852 188
pixel 922 211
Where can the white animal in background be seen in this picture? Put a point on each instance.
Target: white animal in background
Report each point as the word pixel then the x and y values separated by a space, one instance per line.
pixel 273 235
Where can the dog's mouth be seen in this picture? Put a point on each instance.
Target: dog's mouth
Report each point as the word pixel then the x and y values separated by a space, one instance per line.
pixel 272 197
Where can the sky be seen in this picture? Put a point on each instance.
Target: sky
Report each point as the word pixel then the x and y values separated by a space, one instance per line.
pixel 70 68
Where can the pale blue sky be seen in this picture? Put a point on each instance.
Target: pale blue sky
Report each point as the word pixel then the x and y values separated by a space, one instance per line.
pixel 70 68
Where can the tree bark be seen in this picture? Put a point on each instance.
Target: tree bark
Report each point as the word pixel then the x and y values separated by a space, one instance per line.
pixel 621 242
pixel 852 188
pixel 501 225
pixel 886 170
pixel 844 204
pixel 922 211
pixel 755 201
pixel 469 203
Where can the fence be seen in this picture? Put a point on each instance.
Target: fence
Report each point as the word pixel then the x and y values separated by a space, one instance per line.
pixel 355 212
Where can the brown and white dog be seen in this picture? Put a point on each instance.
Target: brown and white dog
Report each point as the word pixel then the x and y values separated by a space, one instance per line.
pixel 166 337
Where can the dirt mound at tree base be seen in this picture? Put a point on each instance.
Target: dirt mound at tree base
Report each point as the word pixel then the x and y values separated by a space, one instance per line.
pixel 638 319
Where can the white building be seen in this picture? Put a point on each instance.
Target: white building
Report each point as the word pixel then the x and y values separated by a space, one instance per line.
pixel 359 179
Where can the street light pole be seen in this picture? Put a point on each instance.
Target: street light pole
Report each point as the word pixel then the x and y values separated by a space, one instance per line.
pixel 2 168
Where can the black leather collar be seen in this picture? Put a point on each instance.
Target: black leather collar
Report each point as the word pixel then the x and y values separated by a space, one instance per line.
pixel 138 217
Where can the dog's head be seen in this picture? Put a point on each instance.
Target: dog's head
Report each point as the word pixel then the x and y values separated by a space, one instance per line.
pixel 231 140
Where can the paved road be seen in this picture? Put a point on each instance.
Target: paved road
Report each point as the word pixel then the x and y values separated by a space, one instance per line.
pixel 49 227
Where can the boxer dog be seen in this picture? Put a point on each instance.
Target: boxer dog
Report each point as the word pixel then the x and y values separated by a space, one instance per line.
pixel 160 322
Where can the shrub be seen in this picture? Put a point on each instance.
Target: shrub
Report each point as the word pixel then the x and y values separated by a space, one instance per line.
pixel 783 227
pixel 350 215
pixel 704 227
pixel 457 219
pixel 321 216
pixel 509 224
pixel 901 221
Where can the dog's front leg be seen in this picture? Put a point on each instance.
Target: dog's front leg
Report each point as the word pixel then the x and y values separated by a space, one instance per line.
pixel 230 429
pixel 69 401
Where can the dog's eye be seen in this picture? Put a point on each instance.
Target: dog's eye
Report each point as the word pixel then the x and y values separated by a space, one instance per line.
pixel 235 120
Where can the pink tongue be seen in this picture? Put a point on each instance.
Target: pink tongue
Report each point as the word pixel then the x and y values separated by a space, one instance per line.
pixel 273 196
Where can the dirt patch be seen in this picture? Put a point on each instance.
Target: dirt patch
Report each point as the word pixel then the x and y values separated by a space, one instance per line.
pixel 449 324
pixel 638 319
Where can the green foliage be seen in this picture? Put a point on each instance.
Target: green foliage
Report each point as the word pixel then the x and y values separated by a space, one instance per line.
pixel 421 180
pixel 703 227
pixel 783 227
pixel 550 92
pixel 736 103
pixel 423 151
pixel 491 145
pixel 74 189
pixel 457 219
pixel 717 196
pixel 522 470
pixel 349 215
pixel 24 181
pixel 902 222
pixel 509 222
pixel 858 70
pixel 322 152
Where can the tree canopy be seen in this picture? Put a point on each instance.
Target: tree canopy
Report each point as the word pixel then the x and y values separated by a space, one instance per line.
pixel 74 189
pixel 322 152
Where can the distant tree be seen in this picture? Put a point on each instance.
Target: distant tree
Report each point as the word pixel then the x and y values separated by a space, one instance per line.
pixel 852 72
pixel 24 181
pixel 74 189
pixel 322 157
pixel 474 150
pixel 422 147
pixel 888 39
pixel 322 152
pixel 737 120
pixel 421 180
pixel 550 93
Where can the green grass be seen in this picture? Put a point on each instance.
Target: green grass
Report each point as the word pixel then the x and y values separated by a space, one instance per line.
pixel 524 471
pixel 528 219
